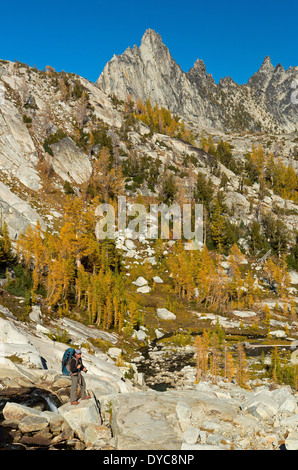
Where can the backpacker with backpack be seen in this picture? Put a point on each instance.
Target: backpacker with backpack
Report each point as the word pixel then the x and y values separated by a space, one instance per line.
pixel 66 360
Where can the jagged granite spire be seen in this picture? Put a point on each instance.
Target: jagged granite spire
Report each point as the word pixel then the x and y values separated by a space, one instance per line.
pixel 266 65
pixel 152 37
pixel 149 71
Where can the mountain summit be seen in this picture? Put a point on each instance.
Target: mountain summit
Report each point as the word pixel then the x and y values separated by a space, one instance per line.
pixel 149 71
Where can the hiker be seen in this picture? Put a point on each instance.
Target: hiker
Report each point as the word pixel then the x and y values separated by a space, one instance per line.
pixel 76 367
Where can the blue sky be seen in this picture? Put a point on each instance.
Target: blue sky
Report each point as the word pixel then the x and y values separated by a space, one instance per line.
pixel 232 37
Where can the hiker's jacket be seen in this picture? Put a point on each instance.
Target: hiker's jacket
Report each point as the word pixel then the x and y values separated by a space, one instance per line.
pixel 73 365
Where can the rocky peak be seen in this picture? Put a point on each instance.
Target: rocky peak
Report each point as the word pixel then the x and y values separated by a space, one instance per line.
pixel 146 72
pixel 198 76
pixel 279 69
pixel 200 67
pixel 150 72
pixel 152 38
pixel 266 65
pixel 267 71
pixel 152 49
pixel 263 76
pixel 198 70
pixel 226 82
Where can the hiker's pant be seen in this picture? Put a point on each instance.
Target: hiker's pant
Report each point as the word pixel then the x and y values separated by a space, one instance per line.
pixel 75 381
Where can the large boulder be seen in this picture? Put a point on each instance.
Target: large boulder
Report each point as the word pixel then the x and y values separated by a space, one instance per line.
pixel 287 403
pixel 144 290
pixel 140 423
pixel 16 412
pixel 293 277
pixel 165 314
pixel 291 442
pixel 96 433
pixel 78 416
pixel 159 421
pixel 261 405
pixel 33 423
pixel 140 282
pixel 183 413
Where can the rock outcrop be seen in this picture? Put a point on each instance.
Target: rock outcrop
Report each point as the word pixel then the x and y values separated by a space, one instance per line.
pixel 209 416
pixel 35 353
pixel 70 162
pixel 17 213
pixel 18 154
pixel 68 427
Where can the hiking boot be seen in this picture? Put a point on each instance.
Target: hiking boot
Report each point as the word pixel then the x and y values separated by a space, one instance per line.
pixel 86 398
pixel 74 403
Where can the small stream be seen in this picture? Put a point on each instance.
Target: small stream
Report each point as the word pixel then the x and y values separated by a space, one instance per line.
pixel 158 373
pixel 163 367
pixel 161 364
pixel 36 398
pixel 40 399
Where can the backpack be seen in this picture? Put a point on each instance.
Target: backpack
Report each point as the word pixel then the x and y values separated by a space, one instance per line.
pixel 66 360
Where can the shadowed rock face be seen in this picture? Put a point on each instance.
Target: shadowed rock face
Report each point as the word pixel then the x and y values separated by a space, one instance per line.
pixel 149 71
